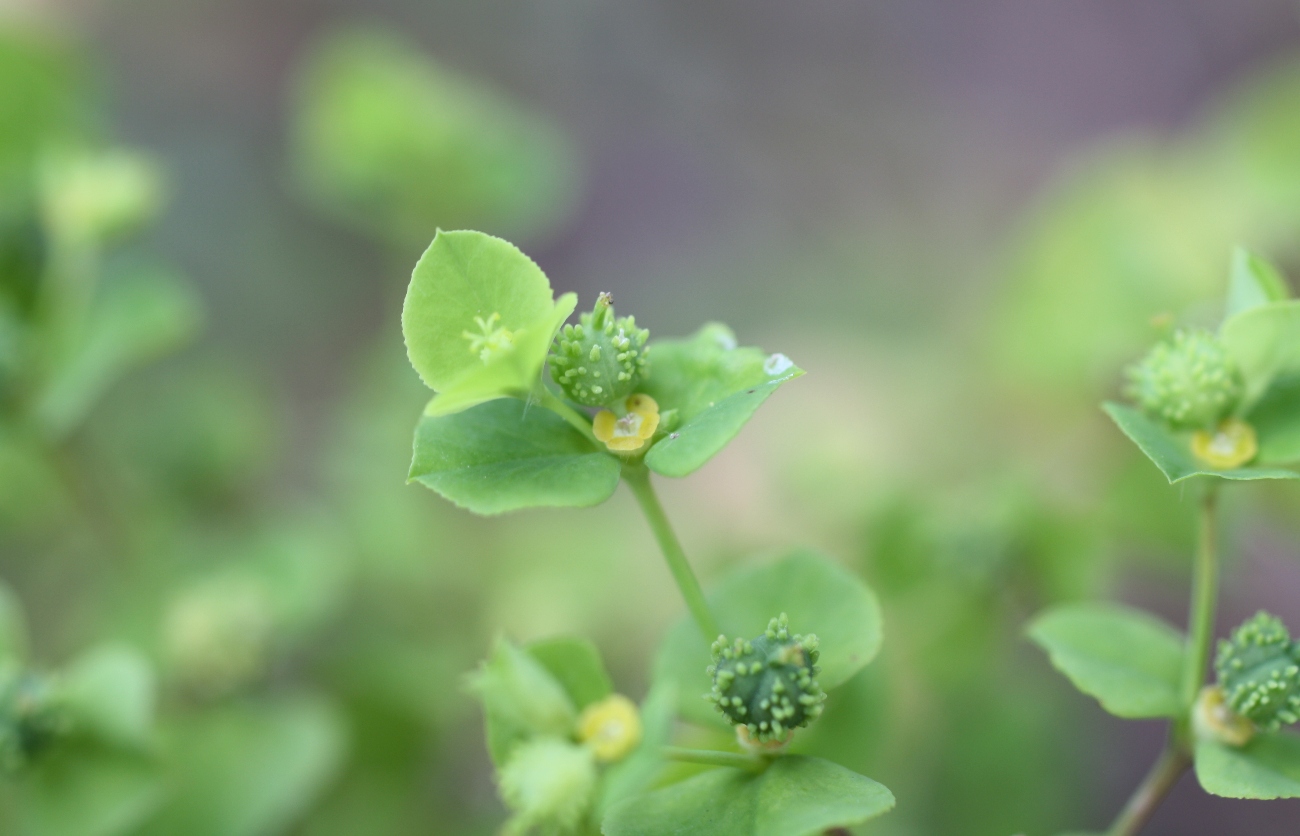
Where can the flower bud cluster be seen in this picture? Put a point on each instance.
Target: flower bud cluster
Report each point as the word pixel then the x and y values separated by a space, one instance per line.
pixel 1188 381
pixel 1259 671
pixel 767 684
pixel 601 360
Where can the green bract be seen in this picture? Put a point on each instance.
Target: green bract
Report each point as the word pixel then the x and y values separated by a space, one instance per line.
pixel 1259 670
pixel 602 359
pixel 1248 374
pixel 549 783
pixel 478 320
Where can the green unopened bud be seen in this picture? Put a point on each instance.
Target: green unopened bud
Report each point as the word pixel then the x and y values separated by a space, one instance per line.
pixel 519 693
pixel 1188 381
pixel 602 359
pixel 767 684
pixel 1259 671
pixel 218 635
pixel 549 783
pixel 32 717
pixel 99 195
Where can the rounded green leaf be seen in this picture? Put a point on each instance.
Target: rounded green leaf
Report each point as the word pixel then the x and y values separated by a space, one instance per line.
pixel 714 386
pixel 575 663
pixel 506 454
pixel 1276 419
pixel 110 693
pixel 1173 455
pixel 1130 661
pixel 795 796
pixel 466 285
pixel 1252 282
pixel 1264 342
pixel 1266 767
pixel 817 594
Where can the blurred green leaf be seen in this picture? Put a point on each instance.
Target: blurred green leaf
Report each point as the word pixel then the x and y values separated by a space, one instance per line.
pixel 89 792
pixel 575 663
pixel 1264 342
pixel 715 387
pixel 504 455
pixel 249 769
pixel 638 771
pixel 817 594
pixel 1130 661
pixel 1252 282
pixel 137 318
pixel 1266 767
pixel 110 693
pixel 521 698
pixel 1173 455
pixel 1276 419
pixel 389 141
pixel 13 626
pixel 795 796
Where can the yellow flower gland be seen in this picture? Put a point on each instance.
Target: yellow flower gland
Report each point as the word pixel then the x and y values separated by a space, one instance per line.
pixel 611 728
pixel 491 340
pixel 1213 719
pixel 630 432
pixel 1233 444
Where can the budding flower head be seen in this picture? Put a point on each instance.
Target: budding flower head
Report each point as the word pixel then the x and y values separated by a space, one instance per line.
pixel 1188 381
pixel 610 728
pixel 602 359
pixel 549 783
pixel 32 717
pixel 628 432
pixel 767 684
pixel 1259 671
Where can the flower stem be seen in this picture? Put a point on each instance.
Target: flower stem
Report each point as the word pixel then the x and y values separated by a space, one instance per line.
pixel 580 422
pixel 1177 755
pixel 711 757
pixel 638 479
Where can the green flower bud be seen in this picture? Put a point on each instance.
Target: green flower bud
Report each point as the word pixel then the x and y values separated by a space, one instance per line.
pixel 32 717
pixel 1259 671
pixel 1187 381
pixel 768 684
pixel 521 695
pixel 549 783
pixel 601 360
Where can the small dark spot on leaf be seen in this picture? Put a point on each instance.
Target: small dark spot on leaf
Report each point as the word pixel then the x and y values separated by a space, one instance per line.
pixel 751 391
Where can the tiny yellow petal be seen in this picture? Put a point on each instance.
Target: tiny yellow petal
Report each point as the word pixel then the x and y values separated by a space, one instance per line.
pixel 633 429
pixel 610 728
pixel 1233 444
pixel 603 425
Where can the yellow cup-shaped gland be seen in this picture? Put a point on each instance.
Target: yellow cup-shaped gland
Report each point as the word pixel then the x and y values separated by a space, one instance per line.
pixel 1213 719
pixel 631 431
pixel 1233 444
pixel 611 728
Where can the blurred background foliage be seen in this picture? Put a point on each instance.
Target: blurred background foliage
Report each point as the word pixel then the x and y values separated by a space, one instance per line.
pixel 251 625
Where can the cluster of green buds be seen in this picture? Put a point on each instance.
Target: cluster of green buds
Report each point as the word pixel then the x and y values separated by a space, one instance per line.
pixel 601 360
pixel 1259 672
pixel 767 686
pixel 32 716
pixel 1187 381
pixel 548 752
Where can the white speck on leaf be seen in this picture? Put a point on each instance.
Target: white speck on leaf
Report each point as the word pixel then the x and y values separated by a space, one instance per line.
pixel 777 364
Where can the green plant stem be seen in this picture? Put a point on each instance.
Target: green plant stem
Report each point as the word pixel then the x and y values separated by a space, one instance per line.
pixel 1173 762
pixel 580 422
pixel 638 478
pixel 1177 755
pixel 711 757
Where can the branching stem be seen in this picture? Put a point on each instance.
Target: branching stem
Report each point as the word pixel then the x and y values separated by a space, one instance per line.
pixel 638 479
pixel 711 757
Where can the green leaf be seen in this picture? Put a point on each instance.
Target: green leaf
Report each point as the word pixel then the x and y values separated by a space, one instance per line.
pixel 1264 342
pixel 13 625
pixel 249 769
pixel 1172 453
pixel 464 280
pixel 90 792
pixel 506 454
pixel 521 698
pixel 1130 661
pixel 638 771
pixel 1266 767
pixel 715 387
pixel 795 796
pixel 138 318
pixel 110 692
pixel 819 596
pixel 1253 282
pixel 1276 419
pixel 575 663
